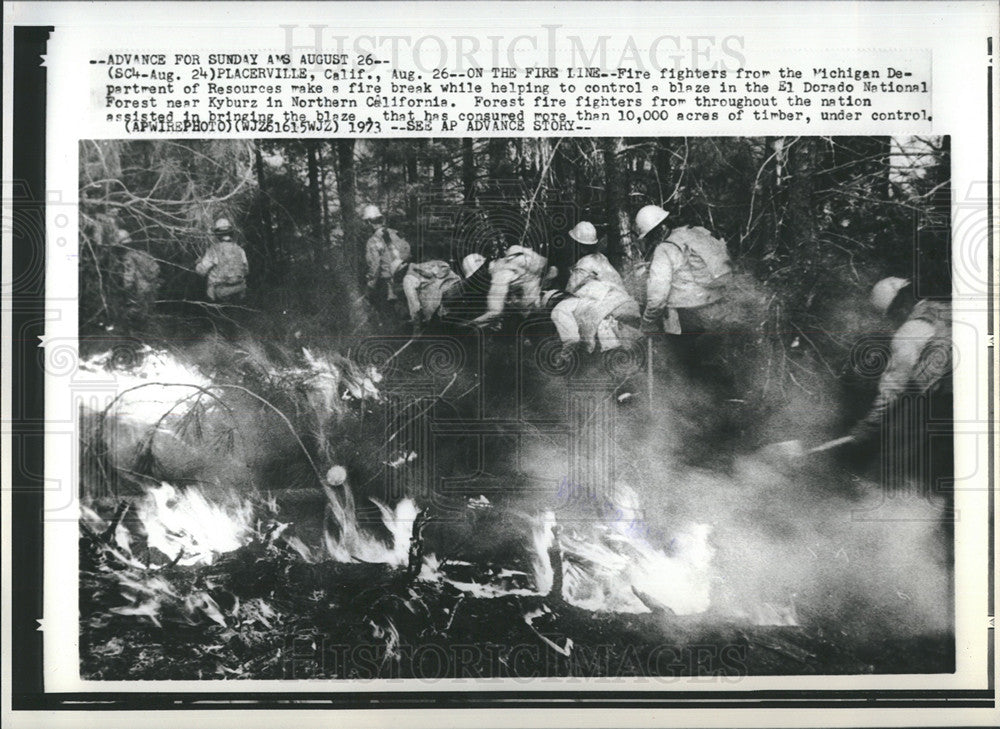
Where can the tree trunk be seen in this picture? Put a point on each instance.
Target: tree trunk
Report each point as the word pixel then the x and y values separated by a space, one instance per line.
pixel 437 184
pixel 324 198
pixel 468 171
pixel 662 165
pixel 271 253
pixel 412 180
pixel 347 192
pixel 612 190
pixel 315 213
pixel 800 223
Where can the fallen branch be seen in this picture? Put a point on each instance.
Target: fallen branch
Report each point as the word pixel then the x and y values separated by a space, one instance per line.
pixel 415 557
pixel 109 533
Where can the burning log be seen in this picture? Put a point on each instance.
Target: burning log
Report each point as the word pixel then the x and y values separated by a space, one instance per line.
pixel 654 605
pixel 415 558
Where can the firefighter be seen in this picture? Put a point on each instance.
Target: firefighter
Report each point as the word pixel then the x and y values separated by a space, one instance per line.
pixel 225 265
pixel 424 286
pixel 687 274
pixel 515 279
pixel 467 299
pixel 140 276
pixel 590 264
pixel 386 256
pixel 599 314
pixel 920 351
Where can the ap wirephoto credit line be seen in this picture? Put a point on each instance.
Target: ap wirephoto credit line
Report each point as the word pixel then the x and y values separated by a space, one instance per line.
pixel 569 363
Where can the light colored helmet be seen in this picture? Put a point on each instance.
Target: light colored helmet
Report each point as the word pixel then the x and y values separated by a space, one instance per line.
pixel 222 225
pixel 584 233
pixel 648 218
pixel 471 263
pixel 123 236
pixel 371 212
pixel 885 291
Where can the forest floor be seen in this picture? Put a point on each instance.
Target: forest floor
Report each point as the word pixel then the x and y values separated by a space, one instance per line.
pixel 262 612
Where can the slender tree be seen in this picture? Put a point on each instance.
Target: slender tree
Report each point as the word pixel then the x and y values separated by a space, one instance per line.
pixel 612 191
pixel 468 171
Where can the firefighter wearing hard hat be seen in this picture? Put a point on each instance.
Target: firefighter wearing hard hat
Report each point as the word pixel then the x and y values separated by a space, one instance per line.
pixel 688 271
pixel 591 264
pixel 920 355
pixel 224 264
pixel 386 256
pixel 424 286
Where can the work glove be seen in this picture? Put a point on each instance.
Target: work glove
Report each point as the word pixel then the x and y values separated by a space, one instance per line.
pixel 567 352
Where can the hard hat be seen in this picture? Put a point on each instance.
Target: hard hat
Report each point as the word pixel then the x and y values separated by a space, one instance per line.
pixel 584 233
pixel 123 236
pixel 222 225
pixel 471 263
pixel 648 218
pixel 371 212
pixel 885 291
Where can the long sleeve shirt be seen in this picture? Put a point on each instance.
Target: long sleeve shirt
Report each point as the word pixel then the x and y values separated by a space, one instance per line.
pixel 673 282
pixel 225 263
pixel 385 252
pixel 517 277
pixel 592 267
pixel 920 356
pixel 424 285
pixel 581 317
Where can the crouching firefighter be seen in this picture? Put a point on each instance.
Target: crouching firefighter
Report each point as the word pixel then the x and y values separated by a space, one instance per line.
pixel 466 300
pixel 914 388
pixel 599 315
pixel 424 286
pixel 515 280
pixel 688 273
pixel 225 265
pixel 590 264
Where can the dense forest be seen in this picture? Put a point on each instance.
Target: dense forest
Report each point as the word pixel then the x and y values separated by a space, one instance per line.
pixel 813 220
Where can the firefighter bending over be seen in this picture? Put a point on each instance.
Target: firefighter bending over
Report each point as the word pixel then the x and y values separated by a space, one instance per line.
pixel 920 352
pixel 515 279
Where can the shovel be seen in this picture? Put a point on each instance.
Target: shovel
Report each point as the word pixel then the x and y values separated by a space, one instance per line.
pixel 792 450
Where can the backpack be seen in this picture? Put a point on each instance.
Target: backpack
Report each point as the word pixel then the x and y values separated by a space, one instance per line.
pixel 935 361
pixel 707 257
pixel 230 264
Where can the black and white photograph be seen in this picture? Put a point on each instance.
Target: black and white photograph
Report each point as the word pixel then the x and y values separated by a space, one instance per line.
pixel 499 363
pixel 516 408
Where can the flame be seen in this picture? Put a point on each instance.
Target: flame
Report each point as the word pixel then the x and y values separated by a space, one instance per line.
pixel 188 527
pixel 542 538
pixel 348 542
pixel 150 368
pixel 610 571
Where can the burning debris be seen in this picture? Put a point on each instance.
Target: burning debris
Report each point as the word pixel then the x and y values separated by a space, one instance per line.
pixel 201 568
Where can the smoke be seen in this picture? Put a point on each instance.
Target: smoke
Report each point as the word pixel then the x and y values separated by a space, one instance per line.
pixel 815 540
